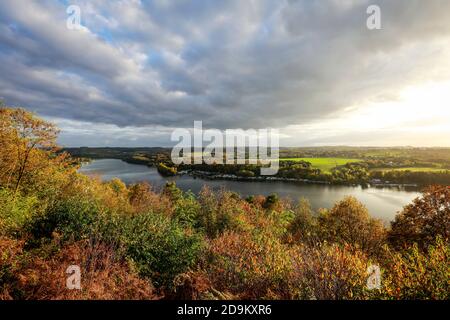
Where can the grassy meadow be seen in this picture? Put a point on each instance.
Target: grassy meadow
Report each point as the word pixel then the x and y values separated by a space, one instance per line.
pixel 324 164
pixel 413 169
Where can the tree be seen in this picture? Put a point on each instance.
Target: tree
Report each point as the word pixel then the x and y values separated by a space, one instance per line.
pixel 26 144
pixel 172 191
pixel 166 170
pixel 349 222
pixel 271 201
pixel 303 227
pixel 417 275
pixel 423 220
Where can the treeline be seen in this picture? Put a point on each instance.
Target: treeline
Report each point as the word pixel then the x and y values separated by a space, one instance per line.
pixel 287 169
pixel 381 164
pixel 350 173
pixel 166 170
pixel 145 156
pixel 131 242
pixel 420 178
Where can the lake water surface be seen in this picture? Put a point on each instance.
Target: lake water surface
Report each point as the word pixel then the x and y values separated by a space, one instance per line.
pixel 382 203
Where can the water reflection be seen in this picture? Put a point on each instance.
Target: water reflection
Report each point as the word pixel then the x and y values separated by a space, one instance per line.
pixel 382 203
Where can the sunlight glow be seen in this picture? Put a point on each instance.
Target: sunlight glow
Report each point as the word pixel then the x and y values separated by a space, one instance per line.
pixel 419 116
pixel 417 107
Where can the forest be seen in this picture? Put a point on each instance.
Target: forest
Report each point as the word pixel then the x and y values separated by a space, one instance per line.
pixel 132 242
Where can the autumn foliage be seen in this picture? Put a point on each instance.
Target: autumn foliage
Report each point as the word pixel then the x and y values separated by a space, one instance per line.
pixel 423 220
pixel 134 242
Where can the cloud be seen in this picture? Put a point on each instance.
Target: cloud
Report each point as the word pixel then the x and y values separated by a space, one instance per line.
pixel 232 64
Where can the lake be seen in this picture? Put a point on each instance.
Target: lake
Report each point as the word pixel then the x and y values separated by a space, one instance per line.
pixel 383 203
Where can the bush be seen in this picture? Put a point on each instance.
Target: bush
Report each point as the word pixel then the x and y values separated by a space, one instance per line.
pixel 248 266
pixel 73 219
pixel 142 199
pixel 159 247
pixel 219 212
pixel 187 210
pixel 15 211
pixel 303 228
pixel 10 250
pixel 271 201
pixel 423 220
pixel 350 222
pixel 415 274
pixel 104 275
pixel 329 273
pixel 172 191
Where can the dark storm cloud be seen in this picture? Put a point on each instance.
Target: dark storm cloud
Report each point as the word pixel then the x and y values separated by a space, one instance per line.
pixel 234 63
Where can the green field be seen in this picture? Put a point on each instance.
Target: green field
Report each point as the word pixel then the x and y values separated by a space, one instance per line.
pixel 324 164
pixel 412 169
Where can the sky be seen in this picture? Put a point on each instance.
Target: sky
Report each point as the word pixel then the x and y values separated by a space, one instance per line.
pixel 136 70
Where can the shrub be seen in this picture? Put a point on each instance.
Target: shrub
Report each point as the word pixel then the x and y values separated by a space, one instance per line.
pixel 159 247
pixel 117 186
pixel 220 211
pixel 349 222
pixel 271 201
pixel 248 266
pixel 303 228
pixel 104 275
pixel 329 272
pixel 142 199
pixel 274 223
pixel 15 211
pixel 186 210
pixel 193 285
pixel 73 219
pixel 423 220
pixel 415 274
pixel 172 191
pixel 10 250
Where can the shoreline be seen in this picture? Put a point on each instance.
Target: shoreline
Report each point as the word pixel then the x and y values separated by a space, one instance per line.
pixel 231 177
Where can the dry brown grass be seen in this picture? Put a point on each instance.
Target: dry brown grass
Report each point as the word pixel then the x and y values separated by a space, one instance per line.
pixel 103 275
pixel 9 251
